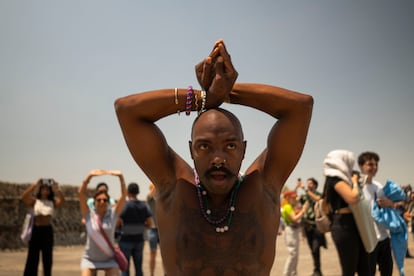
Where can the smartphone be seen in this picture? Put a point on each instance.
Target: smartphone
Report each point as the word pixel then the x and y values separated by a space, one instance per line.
pixel 363 178
pixel 47 181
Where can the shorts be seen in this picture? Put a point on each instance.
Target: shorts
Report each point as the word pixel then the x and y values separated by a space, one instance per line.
pixel 153 238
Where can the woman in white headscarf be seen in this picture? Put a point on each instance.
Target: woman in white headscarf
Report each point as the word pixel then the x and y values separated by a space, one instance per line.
pixel 342 190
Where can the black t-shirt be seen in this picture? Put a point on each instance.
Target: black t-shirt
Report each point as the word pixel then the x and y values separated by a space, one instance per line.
pixel 334 199
pixel 133 217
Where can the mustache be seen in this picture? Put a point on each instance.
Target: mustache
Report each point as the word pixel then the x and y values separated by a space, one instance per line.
pixel 221 169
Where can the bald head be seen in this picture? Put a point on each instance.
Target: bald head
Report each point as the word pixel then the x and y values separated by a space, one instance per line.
pixel 217 120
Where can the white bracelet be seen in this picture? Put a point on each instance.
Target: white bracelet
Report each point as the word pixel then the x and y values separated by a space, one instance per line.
pixel 203 101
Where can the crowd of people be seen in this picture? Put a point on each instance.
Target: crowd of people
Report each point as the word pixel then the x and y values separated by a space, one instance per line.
pixel 344 187
pixel 211 219
pixel 132 217
pixel 109 223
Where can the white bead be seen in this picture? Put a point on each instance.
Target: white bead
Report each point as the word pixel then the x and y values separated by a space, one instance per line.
pixel 217 229
pixel 226 228
pixel 204 192
pixel 232 208
pixel 208 212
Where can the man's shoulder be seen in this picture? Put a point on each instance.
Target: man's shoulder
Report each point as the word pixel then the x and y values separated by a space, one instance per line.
pixel 377 184
pixel 142 204
pixel 373 185
pixel 138 204
pixel 287 207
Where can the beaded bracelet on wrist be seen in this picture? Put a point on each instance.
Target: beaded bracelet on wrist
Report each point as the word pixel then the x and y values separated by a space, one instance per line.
pixel 189 100
pixel 203 95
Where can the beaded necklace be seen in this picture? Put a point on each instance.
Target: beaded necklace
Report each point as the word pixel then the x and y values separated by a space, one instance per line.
pixel 221 225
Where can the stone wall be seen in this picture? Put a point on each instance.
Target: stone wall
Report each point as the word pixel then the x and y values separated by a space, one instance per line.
pixel 67 220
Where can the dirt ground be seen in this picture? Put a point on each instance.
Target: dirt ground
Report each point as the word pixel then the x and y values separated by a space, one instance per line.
pixel 67 261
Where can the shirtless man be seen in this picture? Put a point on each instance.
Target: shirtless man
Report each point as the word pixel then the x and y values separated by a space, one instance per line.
pixel 214 222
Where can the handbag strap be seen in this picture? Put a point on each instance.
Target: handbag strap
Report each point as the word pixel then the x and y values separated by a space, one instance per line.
pixel 103 233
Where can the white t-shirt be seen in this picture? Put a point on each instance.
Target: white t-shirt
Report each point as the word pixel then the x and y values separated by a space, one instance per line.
pixel 371 192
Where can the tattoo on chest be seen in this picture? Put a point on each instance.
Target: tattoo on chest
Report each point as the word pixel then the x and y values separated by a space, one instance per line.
pixel 201 248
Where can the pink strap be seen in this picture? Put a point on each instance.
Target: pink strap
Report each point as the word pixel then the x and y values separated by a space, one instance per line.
pixel 103 233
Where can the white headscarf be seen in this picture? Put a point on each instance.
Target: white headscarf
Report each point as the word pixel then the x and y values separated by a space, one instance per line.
pixel 339 163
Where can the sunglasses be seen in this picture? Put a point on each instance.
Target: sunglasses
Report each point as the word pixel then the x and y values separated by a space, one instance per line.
pixel 102 200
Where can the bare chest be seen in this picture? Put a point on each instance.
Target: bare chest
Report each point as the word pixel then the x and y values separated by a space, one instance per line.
pixel 247 248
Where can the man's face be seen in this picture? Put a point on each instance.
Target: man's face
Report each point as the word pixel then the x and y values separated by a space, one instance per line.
pixel 310 185
pixel 102 188
pixel 217 148
pixel 370 168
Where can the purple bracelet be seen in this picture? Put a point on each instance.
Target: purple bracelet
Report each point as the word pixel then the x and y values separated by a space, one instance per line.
pixel 188 102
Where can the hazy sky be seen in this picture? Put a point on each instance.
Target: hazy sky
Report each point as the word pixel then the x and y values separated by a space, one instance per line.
pixel 63 63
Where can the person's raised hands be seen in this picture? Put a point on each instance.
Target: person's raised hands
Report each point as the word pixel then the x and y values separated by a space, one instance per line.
pixel 217 74
pixel 97 172
pixel 115 172
pixel 55 185
pixel 299 184
pixel 204 69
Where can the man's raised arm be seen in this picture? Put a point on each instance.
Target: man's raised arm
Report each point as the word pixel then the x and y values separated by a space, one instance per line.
pixel 137 115
pixel 287 137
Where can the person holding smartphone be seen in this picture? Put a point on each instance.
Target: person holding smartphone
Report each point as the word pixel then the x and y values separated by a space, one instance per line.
pixel 48 197
pixel 314 237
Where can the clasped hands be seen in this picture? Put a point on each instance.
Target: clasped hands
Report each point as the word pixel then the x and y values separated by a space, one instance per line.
pixel 216 74
pixel 98 172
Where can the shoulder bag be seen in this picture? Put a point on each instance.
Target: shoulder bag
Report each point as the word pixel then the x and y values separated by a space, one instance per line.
pixel 364 221
pixel 118 255
pixel 322 210
pixel 27 228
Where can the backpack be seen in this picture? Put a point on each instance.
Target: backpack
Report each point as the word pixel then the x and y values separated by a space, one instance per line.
pixel 322 210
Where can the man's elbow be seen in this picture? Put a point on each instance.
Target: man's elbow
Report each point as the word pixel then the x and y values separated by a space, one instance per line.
pixel 119 105
pixel 308 103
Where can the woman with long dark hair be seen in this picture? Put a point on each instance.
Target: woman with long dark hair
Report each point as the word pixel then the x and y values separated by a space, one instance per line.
pixel 44 204
pixel 342 191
